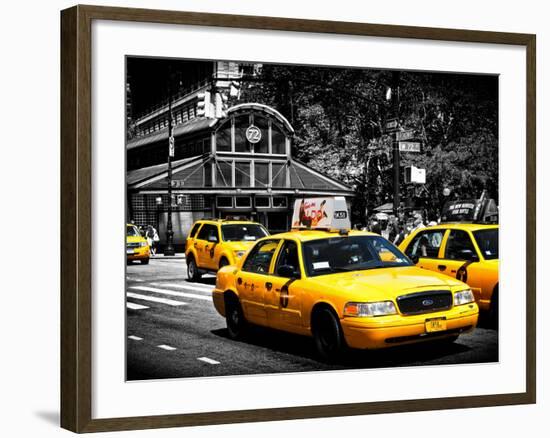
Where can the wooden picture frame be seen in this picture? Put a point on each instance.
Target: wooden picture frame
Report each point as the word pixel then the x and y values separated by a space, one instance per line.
pixel 76 218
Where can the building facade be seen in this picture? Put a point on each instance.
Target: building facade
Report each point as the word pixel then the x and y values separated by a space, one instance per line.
pixel 236 165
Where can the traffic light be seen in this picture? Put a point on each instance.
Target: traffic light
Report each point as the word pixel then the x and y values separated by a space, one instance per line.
pixel 204 105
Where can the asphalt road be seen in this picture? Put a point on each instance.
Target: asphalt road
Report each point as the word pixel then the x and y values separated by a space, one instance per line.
pixel 174 331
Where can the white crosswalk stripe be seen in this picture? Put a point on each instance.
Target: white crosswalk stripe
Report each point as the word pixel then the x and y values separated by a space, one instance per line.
pixel 172 293
pixel 208 360
pixel 155 299
pixel 166 347
pixel 201 286
pixel 186 287
pixel 135 338
pixel 135 306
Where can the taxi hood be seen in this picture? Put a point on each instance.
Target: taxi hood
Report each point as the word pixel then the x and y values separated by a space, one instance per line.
pixel 384 283
pixel 134 239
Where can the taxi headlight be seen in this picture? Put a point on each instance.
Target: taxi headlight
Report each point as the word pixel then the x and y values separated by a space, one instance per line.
pixel 378 308
pixel 239 253
pixel 463 297
pixel 143 243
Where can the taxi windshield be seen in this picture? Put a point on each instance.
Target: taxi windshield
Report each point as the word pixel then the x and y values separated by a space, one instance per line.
pixel 132 231
pixel 242 232
pixel 487 240
pixel 353 253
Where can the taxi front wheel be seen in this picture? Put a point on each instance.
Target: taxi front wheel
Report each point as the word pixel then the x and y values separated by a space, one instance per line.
pixel 328 335
pixel 234 317
pixel 193 273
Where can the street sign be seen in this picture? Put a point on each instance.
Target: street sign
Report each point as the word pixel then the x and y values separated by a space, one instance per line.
pixel 410 146
pixel 392 124
pixel 171 146
pixel 414 175
pixel 405 135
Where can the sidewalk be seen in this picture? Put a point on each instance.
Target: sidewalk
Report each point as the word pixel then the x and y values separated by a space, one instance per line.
pixel 178 256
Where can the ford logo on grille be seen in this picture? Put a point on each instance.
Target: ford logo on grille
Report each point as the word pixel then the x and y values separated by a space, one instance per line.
pixel 427 303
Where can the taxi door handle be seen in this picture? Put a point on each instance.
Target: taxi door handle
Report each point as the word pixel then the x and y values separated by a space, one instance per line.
pixel 441 267
pixel 268 285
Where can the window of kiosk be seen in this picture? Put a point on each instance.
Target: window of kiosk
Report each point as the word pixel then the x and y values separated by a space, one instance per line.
pixel 262 147
pixel 279 175
pixel 278 140
pixel 243 201
pixel 224 202
pixel 207 173
pixel 223 174
pixel 279 202
pixel 241 125
pixel 261 201
pixel 223 137
pixel 261 174
pixel 242 174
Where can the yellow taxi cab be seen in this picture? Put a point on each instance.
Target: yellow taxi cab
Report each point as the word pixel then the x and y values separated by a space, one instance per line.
pixel 137 248
pixel 214 243
pixel 344 288
pixel 466 251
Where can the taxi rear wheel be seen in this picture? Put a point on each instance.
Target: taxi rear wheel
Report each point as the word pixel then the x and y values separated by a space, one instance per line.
pixel 234 318
pixel 327 334
pixel 193 273
pixel 493 309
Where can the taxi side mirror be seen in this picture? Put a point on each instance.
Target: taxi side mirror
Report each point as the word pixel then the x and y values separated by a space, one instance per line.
pixel 212 238
pixel 415 259
pixel 287 271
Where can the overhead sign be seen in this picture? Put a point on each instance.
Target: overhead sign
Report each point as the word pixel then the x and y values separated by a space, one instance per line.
pixel 324 213
pixel 392 124
pixel 405 135
pixel 410 146
pixel 253 134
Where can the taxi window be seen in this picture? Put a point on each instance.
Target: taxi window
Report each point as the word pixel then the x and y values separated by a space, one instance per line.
pixel 242 232
pixel 131 230
pixel 260 256
pixel 209 232
pixel 459 246
pixel 487 241
pixel 426 244
pixel 194 229
pixel 347 254
pixel 288 256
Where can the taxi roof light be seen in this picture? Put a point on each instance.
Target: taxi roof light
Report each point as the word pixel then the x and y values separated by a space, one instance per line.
pixel 329 214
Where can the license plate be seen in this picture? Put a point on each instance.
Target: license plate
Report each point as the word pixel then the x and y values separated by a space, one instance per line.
pixel 436 325
pixel 129 251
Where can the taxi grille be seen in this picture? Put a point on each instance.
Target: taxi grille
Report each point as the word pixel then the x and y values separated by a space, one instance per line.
pixel 425 302
pixel 133 245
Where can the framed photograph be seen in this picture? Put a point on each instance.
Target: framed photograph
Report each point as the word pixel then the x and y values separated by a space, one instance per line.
pixel 268 219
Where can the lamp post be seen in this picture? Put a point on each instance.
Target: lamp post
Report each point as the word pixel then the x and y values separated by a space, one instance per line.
pixel 169 250
pixel 394 97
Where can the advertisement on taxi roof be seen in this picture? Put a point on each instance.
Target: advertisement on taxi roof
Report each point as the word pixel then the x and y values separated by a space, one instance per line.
pixel 326 213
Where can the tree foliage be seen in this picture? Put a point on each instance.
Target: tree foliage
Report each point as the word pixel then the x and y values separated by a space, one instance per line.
pixel 339 117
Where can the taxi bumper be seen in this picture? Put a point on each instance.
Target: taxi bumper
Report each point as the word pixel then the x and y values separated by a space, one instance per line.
pixel 140 253
pixel 383 332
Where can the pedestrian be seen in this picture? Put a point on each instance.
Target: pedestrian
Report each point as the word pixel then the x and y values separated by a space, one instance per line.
pixel 152 238
pixel 418 223
pixel 400 236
